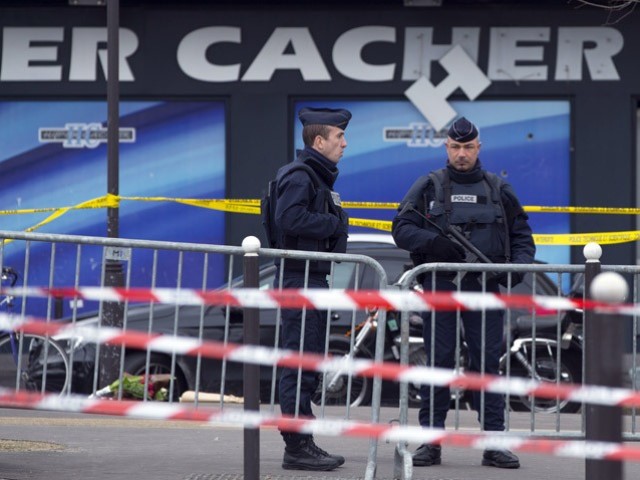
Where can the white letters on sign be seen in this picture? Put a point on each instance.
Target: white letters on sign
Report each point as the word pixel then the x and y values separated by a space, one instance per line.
pixel 514 54
pixel 33 54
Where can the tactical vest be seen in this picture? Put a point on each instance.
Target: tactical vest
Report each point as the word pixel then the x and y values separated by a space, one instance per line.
pixel 288 242
pixel 476 209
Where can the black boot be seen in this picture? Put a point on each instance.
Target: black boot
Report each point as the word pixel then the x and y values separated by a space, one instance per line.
pixel 427 454
pixel 500 459
pixel 339 458
pixel 307 456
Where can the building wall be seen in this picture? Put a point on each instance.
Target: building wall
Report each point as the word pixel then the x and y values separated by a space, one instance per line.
pixel 229 53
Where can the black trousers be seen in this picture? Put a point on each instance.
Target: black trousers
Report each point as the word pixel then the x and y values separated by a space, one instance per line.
pixel 444 355
pixel 314 342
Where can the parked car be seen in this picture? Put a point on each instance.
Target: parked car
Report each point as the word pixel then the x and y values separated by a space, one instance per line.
pixel 381 247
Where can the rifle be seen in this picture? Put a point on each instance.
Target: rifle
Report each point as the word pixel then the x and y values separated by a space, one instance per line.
pixel 473 254
pixel 472 251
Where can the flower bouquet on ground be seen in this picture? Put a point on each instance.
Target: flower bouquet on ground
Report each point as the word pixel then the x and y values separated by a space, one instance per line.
pixel 133 387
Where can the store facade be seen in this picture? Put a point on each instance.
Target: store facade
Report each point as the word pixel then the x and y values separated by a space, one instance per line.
pixel 209 97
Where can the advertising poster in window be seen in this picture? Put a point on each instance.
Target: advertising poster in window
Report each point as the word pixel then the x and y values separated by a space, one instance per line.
pixel 390 144
pixel 54 154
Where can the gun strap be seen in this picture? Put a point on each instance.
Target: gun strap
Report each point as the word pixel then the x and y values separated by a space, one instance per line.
pixel 446 186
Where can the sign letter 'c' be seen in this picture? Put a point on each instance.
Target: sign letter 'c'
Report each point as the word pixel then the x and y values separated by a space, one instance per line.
pixel 192 54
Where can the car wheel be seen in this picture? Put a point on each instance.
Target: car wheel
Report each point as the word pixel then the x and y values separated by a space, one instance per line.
pixel 135 363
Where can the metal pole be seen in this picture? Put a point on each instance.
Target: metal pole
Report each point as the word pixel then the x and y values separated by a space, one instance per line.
pixel 113 313
pixel 251 373
pixel 113 113
pixel 602 333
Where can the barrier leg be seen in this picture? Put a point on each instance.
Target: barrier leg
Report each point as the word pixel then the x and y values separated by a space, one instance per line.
pixel 376 394
pixel 403 460
pixel 402 463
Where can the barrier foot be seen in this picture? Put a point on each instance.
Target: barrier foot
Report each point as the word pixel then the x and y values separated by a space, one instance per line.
pixel 402 463
pixel 370 472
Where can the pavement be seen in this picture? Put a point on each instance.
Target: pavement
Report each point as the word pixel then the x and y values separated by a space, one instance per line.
pixel 68 446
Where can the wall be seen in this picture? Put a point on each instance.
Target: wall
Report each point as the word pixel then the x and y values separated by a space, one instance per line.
pixel 171 53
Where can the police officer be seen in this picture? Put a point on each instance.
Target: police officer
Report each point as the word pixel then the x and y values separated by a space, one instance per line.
pixel 486 210
pixel 308 216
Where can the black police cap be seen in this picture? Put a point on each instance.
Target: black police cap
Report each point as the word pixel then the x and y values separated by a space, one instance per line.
pixel 325 116
pixel 462 130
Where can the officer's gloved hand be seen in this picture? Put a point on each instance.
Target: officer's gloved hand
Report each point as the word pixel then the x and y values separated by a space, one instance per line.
pixel 447 250
pixel 503 278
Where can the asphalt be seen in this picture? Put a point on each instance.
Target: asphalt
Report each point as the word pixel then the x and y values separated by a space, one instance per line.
pixel 68 446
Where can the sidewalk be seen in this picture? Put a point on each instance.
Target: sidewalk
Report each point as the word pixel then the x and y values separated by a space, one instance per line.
pixel 65 446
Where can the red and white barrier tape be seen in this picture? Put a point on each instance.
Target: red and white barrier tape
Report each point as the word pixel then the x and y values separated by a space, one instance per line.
pixel 335 428
pixel 334 299
pixel 330 365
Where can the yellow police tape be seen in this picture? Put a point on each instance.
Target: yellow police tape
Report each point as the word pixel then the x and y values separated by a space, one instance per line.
pixel 605 238
pixel 540 239
pixel 528 208
pixel 102 202
pixel 590 210
pixel 248 205
pixel 252 206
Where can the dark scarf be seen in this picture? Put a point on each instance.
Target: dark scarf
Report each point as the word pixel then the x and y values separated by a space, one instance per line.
pixel 472 176
pixel 325 168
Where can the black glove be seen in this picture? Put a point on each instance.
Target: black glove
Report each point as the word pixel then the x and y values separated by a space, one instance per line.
pixel 503 278
pixel 447 251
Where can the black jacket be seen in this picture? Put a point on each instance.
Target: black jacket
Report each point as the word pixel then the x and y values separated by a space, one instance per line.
pixel 413 233
pixel 310 218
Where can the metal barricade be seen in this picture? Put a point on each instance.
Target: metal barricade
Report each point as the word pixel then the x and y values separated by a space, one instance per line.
pixel 552 347
pixel 532 341
pixel 339 262
pixel 80 261
pixel 631 427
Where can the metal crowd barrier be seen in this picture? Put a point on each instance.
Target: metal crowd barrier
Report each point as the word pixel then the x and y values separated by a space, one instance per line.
pixel 81 261
pixel 53 260
pixel 556 365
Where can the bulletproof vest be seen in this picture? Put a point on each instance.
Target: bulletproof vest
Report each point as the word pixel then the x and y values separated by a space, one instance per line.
pixel 475 209
pixel 288 242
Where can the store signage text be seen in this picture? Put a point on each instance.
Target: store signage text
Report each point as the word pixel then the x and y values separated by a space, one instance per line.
pixel 513 53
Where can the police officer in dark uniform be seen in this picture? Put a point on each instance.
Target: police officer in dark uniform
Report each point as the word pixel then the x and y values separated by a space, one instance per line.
pixel 309 216
pixel 484 208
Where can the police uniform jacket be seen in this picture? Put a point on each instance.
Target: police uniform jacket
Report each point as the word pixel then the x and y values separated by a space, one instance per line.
pixel 483 207
pixel 310 218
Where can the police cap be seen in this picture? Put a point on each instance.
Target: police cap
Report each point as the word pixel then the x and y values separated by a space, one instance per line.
pixel 325 116
pixel 462 130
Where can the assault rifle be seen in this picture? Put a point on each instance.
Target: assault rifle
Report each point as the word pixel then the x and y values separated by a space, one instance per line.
pixel 473 255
